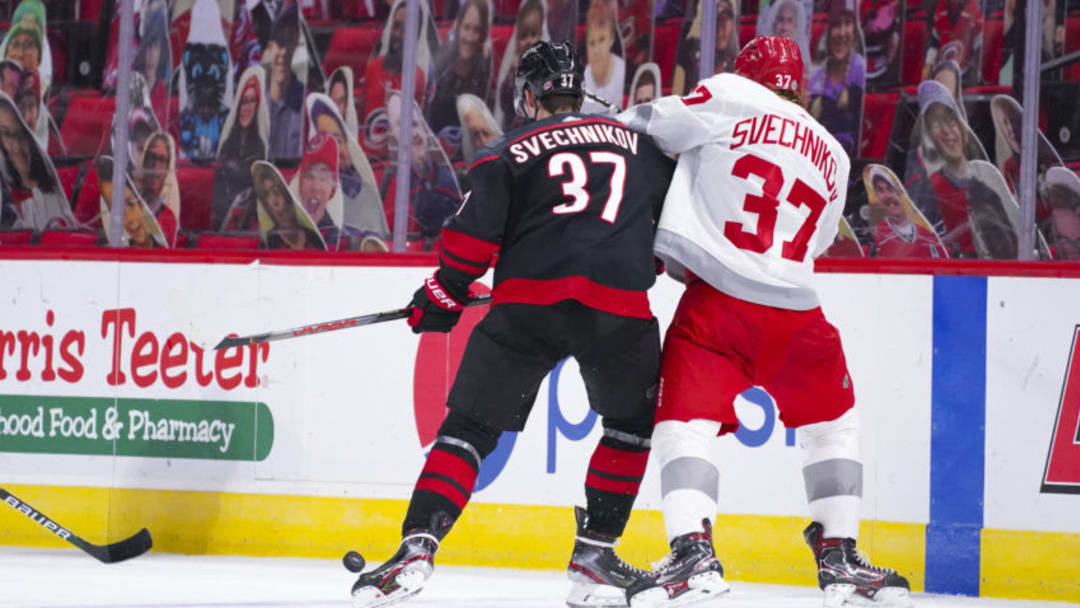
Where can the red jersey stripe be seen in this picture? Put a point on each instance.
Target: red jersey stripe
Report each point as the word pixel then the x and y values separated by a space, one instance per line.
pixel 452 466
pixel 620 302
pixel 468 248
pixel 610 485
pixel 618 462
pixel 443 488
pixel 480 161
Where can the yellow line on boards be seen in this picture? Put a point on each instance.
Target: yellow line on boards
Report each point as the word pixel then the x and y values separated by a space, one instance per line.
pixel 767 549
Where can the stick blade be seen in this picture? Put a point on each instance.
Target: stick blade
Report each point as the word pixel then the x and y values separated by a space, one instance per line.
pixel 231 341
pixel 130 547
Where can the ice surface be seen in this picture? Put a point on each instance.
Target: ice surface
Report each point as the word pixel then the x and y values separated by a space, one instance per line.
pixel 55 579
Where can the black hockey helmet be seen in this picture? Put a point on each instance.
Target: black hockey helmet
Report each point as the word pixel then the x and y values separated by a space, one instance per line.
pixel 548 68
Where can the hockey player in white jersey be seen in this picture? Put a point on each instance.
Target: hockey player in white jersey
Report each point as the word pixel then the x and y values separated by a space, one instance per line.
pixel 756 196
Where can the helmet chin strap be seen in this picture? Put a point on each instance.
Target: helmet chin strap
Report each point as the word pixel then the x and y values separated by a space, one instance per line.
pixel 525 105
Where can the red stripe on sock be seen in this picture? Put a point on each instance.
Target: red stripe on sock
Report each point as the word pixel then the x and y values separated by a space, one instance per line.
pixel 452 466
pixel 611 485
pixel 443 488
pixel 619 462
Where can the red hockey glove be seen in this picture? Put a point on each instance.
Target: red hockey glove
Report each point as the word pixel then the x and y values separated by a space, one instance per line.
pixel 435 308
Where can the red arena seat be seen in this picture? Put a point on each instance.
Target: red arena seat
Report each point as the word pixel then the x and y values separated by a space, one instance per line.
pixel 86 123
pixel 879 109
pixel 665 45
pixel 196 196
pixel 68 238
pixel 351 46
pixel 223 241
pixel 16 237
pixel 1072 43
pixel 993 49
pixel 914 50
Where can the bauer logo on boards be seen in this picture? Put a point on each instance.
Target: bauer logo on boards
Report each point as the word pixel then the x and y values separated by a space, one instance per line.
pixel 1062 472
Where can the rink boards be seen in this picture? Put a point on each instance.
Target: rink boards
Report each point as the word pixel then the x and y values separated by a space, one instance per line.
pixel 114 415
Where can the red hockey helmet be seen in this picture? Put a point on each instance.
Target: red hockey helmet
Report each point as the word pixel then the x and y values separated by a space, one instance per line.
pixel 773 62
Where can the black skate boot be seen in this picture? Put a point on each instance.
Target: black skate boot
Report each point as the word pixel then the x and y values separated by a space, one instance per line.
pixel 849 579
pixel 599 576
pixel 403 575
pixel 690 574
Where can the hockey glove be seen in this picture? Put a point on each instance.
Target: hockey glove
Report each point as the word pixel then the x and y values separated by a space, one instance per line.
pixel 436 308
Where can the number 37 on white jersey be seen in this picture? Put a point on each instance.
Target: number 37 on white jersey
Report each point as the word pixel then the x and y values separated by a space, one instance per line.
pixel 759 189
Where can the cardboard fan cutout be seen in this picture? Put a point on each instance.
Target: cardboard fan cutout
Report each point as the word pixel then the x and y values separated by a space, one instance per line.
pixel 530 27
pixel 463 64
pixel 340 87
pixel 286 61
pixel 899 229
pixel 939 175
pixel 434 191
pixel 152 53
pixel 883 30
pixel 206 82
pixel 28 176
pixel 646 85
pixel 27 45
pixel 837 82
pixel 688 51
pixel 363 207
pixel 24 88
pixel 788 19
pixel 479 128
pixel 245 139
pixel 636 27
pixel 155 179
pixel 955 33
pixel 1062 192
pixel 141 229
pixel 283 222
pixel 383 71
pixel 605 67
pixel 1007 115
pixel 845 245
pixel 318 188
pixel 141 120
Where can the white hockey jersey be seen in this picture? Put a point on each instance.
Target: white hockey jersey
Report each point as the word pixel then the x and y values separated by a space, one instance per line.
pixel 757 194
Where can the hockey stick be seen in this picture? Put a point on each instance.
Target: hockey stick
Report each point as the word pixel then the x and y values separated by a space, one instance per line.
pixel 601 101
pixel 111 553
pixel 318 328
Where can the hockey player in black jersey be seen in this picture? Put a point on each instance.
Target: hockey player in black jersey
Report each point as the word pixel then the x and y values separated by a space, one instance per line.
pixel 569 203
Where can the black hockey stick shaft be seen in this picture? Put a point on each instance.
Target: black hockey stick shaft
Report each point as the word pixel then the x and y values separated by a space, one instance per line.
pixel 318 328
pixel 111 553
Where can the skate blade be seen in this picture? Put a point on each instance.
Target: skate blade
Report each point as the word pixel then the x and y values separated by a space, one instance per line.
pixel 700 588
pixel 844 596
pixel 410 581
pixel 589 595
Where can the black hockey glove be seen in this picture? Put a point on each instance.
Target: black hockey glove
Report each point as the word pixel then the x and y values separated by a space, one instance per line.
pixel 436 308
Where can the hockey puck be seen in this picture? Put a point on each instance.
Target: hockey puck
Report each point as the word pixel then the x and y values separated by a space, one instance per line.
pixel 354 562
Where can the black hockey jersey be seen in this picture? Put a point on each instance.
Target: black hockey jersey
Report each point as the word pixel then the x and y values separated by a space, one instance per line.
pixel 570 205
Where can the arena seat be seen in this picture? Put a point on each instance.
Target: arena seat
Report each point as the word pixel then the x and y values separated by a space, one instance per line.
pixel 1072 43
pixel 817 30
pixel 993 49
pixel 86 123
pixel 500 37
pixel 196 196
pixel 67 176
pixel 90 10
pixel 16 237
pixel 665 46
pixel 351 46
pixel 68 238
pixel 747 31
pixel 879 109
pixel 914 50
pixel 225 241
pixel 88 201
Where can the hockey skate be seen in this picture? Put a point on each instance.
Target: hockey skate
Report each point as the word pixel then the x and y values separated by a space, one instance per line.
pixel 690 574
pixel 849 579
pixel 403 575
pixel 599 577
